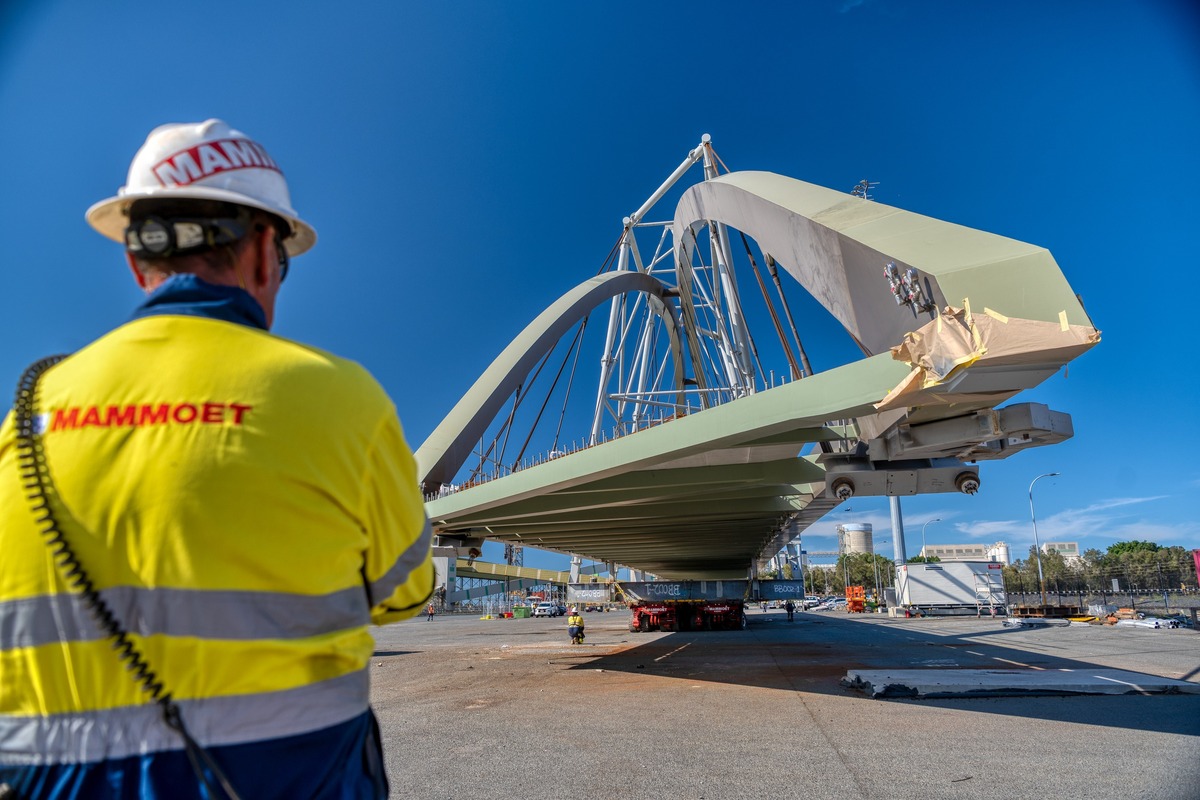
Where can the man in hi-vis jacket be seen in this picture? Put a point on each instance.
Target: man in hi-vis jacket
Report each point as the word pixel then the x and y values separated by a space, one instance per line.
pixel 228 512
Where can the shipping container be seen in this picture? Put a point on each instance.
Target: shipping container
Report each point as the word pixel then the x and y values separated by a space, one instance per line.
pixel 952 584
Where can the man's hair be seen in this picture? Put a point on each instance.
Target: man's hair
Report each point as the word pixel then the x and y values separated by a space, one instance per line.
pixel 217 259
pixel 176 208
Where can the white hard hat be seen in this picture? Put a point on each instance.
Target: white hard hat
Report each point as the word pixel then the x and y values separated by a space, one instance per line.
pixel 203 161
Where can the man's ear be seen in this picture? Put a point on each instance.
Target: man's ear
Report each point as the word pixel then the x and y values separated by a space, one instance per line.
pixel 137 273
pixel 264 249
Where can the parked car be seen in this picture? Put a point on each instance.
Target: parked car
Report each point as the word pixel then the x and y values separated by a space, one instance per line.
pixel 545 610
pixel 832 604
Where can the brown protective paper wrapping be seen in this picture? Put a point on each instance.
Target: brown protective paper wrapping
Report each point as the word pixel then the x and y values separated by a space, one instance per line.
pixel 958 339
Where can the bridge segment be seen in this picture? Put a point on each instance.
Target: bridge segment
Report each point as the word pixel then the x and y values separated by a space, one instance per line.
pixel 953 322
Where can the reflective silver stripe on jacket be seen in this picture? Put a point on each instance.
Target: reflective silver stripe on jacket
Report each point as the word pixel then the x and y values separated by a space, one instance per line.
pixel 134 730
pixel 239 615
pixel 413 557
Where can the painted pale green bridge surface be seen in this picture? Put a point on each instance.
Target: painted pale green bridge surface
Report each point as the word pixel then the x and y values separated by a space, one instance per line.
pixel 708 494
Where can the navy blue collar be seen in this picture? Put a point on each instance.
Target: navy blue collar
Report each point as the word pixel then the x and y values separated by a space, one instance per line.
pixel 187 295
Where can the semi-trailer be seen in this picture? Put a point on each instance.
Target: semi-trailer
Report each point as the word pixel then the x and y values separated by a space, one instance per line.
pixel 687 615
pixel 687 605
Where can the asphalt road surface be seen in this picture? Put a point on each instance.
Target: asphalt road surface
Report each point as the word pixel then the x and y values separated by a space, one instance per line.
pixel 508 708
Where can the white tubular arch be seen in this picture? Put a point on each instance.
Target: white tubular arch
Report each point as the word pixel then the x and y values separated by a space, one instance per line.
pixel 448 447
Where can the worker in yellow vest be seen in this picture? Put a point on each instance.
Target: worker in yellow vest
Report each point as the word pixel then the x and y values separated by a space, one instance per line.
pixel 575 626
pixel 198 519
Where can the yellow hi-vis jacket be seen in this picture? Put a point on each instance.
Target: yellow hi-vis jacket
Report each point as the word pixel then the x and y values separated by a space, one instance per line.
pixel 246 505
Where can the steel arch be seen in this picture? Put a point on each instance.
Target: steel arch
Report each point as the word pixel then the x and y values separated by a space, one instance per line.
pixel 445 451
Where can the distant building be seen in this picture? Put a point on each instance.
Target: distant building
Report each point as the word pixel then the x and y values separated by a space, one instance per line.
pixel 968 552
pixel 1068 550
pixel 855 538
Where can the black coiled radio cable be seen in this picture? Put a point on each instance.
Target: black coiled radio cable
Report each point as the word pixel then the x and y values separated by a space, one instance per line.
pixel 39 489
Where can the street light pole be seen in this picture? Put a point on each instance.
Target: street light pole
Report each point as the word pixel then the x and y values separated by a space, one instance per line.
pixel 1037 547
pixel 878 583
pixel 923 527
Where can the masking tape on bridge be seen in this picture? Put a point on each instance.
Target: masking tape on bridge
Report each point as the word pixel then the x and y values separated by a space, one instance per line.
pixel 957 340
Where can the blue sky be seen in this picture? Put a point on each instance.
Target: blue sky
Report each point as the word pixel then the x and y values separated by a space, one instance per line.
pixel 466 163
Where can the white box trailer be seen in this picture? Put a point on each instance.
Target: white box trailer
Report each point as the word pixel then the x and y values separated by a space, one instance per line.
pixel 952 584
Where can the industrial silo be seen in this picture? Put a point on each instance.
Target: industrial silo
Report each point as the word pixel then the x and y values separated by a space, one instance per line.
pixel 855 538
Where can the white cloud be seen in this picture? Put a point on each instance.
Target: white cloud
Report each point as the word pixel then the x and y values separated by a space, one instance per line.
pixel 990 529
pixel 1096 525
pixel 1093 526
pixel 1116 502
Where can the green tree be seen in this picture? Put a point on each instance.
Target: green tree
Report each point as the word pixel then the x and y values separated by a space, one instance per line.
pixel 817 579
pixel 1094 574
pixel 1014 583
pixel 1011 577
pixel 1121 548
pixel 1139 565
pixel 1136 568
pixel 1026 574
pixel 1179 566
pixel 923 559
pixel 1173 567
pixel 1055 571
